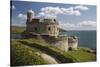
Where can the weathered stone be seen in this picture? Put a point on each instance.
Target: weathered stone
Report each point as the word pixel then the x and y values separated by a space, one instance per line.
pixel 49 30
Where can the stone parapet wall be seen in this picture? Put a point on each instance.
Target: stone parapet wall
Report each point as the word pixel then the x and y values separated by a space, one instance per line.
pixel 62 44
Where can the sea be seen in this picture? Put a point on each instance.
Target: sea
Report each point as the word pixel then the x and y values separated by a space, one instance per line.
pixel 85 38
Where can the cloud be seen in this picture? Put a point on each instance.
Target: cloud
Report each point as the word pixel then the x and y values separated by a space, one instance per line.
pixel 71 11
pixel 19 22
pixel 81 7
pixel 13 7
pixel 54 11
pixel 22 16
pixel 44 15
pixel 51 10
pixel 67 25
pixel 83 25
pixel 31 11
pixel 87 24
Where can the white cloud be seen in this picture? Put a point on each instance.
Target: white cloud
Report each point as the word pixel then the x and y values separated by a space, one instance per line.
pixel 44 15
pixel 84 25
pixel 71 11
pixel 67 25
pixel 22 16
pixel 81 7
pixel 13 7
pixel 18 22
pixel 87 24
pixel 54 11
pixel 51 10
pixel 31 11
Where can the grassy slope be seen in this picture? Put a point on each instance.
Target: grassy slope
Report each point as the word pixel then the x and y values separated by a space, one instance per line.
pixel 24 55
pixel 16 29
pixel 24 52
pixel 79 55
pixel 83 55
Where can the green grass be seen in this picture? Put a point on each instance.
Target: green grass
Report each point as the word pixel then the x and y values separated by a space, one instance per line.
pixel 25 52
pixel 48 50
pixel 16 29
pixel 24 55
pixel 82 56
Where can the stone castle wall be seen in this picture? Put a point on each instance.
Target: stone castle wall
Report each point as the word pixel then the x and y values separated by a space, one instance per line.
pixel 62 44
pixel 73 42
pixel 48 29
pixel 43 28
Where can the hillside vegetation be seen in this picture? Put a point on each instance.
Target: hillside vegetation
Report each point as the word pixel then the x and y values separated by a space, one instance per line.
pixel 17 29
pixel 29 51
pixel 33 51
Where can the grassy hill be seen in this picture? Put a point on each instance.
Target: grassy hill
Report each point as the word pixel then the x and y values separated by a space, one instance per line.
pixel 17 29
pixel 29 51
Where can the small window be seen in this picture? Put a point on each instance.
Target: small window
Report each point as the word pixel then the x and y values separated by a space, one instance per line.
pixel 55 20
pixel 49 28
pixel 35 28
pixel 70 48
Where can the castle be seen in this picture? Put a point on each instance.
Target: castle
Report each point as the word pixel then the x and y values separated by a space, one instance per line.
pixel 49 30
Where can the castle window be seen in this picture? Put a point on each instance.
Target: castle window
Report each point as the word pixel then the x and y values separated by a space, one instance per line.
pixel 54 20
pixel 48 28
pixel 70 48
pixel 35 28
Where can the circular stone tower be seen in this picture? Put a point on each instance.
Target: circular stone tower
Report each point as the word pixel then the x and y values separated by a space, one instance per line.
pixel 73 42
pixel 30 15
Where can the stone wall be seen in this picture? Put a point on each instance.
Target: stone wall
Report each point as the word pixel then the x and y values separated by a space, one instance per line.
pixel 62 44
pixel 43 29
pixel 73 42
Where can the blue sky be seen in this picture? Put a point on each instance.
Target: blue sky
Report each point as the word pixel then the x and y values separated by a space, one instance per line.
pixel 70 16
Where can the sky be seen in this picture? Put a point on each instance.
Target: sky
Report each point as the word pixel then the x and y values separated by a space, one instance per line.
pixel 69 16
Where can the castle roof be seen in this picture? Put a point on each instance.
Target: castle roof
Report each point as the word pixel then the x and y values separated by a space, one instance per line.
pixel 45 21
pixel 50 21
